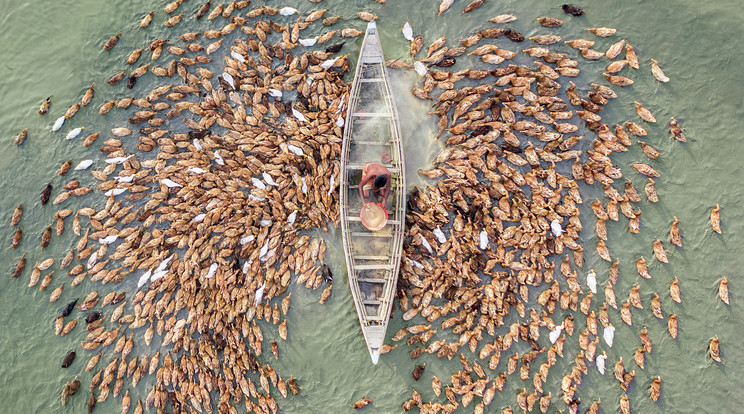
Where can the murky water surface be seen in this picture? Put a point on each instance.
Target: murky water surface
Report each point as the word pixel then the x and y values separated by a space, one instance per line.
pixel 54 48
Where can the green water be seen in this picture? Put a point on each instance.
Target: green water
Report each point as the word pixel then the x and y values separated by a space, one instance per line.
pixel 54 48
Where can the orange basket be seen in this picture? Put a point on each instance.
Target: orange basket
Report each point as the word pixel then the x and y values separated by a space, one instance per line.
pixel 374 216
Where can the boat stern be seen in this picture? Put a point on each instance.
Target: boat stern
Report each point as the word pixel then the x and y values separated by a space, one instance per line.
pixel 375 355
pixel 374 336
pixel 372 27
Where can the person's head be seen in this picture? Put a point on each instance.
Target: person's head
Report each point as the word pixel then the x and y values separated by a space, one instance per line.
pixel 380 181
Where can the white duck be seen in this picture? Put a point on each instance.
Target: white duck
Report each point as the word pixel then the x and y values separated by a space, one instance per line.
pixel 483 240
pixel 83 165
pixel 555 227
pixel 74 133
pixel 229 79
pixel 600 361
pixel 591 281
pixel 212 271
pixel 58 123
pixel 259 293
pixel 407 31
pixel 270 180
pixel 258 183
pixel 170 183
pixel 218 158
pixel 439 234
pixel 295 150
pixel 426 244
pixel 555 333
pixel 144 278
pixel 297 114
pixel 115 192
pixel 309 42
pixel 420 68
pixel 237 56
pixel 108 239
pixel 609 334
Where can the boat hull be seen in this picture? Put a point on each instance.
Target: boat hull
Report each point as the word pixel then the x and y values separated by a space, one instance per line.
pixel 371 129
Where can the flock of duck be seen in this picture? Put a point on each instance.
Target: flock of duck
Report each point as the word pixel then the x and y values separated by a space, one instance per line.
pixel 488 237
pixel 202 231
pixel 209 219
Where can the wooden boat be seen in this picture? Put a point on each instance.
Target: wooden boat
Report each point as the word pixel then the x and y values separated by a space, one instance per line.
pixel 371 129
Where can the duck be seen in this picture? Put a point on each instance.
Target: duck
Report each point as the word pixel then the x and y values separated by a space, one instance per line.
pixel 407 31
pixel 600 361
pixel 659 252
pixel 92 317
pixel 445 63
pixel 67 310
pixel 259 294
pixel 325 271
pixel 674 290
pixel 655 389
pixel 609 335
pixel 69 358
pixel 672 326
pixel 46 193
pixel 420 68
pixel 203 10
pixel 676 130
pixel 723 291
pixel 21 137
pixel 44 107
pixel 17 213
pixel 335 48
pixel 658 73
pixel 514 35
pixel 714 349
pixel 418 371
pixel 645 340
pixel 591 281
pixel 555 333
pixel 74 133
pixel 572 10
pixel 715 219
pixel 674 235
pixel 555 227
pixel 656 306
pixel 640 358
pixel 361 403
pixel 58 123
pixel 111 42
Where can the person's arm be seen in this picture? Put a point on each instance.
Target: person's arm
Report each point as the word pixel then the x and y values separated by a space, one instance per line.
pixel 386 191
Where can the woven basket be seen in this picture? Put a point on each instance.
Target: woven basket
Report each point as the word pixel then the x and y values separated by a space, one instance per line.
pixel 373 216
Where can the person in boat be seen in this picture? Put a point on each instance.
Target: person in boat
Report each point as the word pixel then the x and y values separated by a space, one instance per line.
pixel 375 179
